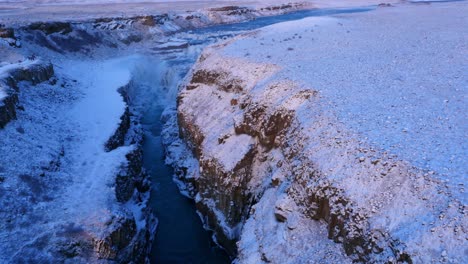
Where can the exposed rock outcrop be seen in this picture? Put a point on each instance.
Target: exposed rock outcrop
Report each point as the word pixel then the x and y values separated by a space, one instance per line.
pixel 252 134
pixel 34 73
pixel 51 27
pixel 8 35
pixel 123 241
pixel 8 107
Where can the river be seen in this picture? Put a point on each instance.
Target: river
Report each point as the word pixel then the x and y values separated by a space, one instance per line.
pixel 180 236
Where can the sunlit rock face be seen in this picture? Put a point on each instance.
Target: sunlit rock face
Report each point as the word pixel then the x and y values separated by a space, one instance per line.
pixel 247 141
pixel 276 168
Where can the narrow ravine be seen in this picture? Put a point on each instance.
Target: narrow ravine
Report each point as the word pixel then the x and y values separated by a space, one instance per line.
pixel 181 237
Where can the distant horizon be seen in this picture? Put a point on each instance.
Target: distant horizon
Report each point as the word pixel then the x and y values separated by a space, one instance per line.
pixel 94 1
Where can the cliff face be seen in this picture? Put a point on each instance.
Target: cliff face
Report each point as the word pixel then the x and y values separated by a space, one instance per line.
pixel 274 167
pixel 246 136
pixel 34 73
pixel 123 241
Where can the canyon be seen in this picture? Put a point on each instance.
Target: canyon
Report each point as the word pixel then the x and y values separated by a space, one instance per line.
pixel 294 132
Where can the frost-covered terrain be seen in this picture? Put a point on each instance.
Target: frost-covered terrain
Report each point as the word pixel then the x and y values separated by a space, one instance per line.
pixel 58 178
pixel 31 11
pixel 350 128
pixel 72 186
pixel 323 140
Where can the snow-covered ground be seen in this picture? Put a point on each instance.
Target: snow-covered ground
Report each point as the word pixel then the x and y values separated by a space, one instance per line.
pixel 383 91
pixel 58 182
pixel 359 121
pixel 96 117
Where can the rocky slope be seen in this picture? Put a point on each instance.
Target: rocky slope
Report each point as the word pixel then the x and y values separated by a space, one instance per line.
pixel 274 164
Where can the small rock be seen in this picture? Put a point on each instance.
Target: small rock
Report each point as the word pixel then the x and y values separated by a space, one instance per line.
pixel 283 208
pixel 20 130
pixel 385 5
pixel 281 216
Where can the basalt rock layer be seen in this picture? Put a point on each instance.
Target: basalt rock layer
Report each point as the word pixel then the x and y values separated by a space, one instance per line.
pixel 271 168
pixel 123 241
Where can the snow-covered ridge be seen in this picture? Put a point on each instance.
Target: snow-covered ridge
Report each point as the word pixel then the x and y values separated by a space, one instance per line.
pixel 309 170
pixel 130 239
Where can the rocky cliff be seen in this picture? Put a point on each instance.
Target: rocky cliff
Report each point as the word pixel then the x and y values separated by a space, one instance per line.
pixel 129 238
pixel 35 73
pixel 274 167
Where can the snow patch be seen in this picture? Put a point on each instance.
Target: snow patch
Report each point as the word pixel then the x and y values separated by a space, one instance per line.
pixel 232 150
